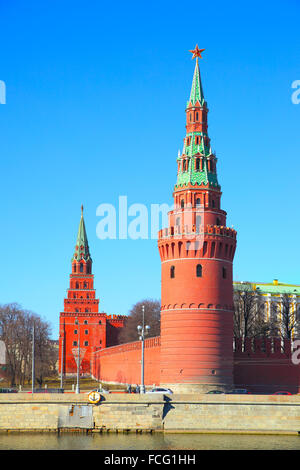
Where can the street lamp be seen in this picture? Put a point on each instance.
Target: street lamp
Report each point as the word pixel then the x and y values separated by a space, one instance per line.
pixel 62 345
pixel 78 357
pixel 143 331
pixel 33 360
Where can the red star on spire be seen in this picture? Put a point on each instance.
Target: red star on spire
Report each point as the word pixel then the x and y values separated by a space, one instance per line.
pixel 197 52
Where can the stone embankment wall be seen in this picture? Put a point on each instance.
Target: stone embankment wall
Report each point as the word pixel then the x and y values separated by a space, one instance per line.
pixel 151 413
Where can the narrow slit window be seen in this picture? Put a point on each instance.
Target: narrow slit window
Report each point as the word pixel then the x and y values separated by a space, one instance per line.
pixel 199 270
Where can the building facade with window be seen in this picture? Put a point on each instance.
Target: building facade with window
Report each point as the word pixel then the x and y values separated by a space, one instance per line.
pixel 273 296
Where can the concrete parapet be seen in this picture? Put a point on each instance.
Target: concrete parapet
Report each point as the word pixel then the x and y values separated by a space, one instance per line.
pixel 151 412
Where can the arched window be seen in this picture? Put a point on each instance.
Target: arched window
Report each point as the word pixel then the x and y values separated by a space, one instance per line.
pixel 198 202
pixel 198 223
pixel 197 116
pixel 182 204
pixel 224 272
pixel 172 272
pixel 199 270
pixel 197 164
pixel 218 221
pixel 76 285
pixel 81 268
pixel 74 268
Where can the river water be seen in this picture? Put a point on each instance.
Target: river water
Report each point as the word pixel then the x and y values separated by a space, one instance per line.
pixel 159 441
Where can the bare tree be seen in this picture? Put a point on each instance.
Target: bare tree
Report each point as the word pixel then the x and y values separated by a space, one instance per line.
pixel 10 331
pixel 16 326
pixel 152 318
pixel 45 353
pixel 249 317
pixel 287 316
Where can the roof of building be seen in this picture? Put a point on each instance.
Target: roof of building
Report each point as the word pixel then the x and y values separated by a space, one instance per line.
pixel 274 287
pixel 82 247
pixel 197 90
pixel 193 148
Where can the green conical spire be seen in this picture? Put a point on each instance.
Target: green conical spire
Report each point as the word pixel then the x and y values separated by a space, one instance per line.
pixel 197 144
pixel 197 90
pixel 82 247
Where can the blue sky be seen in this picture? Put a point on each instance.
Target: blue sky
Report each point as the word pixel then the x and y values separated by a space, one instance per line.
pixel 95 109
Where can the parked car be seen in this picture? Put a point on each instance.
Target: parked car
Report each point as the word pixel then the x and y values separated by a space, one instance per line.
pixel 239 391
pixel 282 393
pixel 8 390
pixel 216 392
pixel 160 390
pixel 100 390
pixel 47 390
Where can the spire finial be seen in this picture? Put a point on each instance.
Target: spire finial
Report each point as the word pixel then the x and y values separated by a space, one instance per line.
pixel 82 246
pixel 197 53
pixel 197 90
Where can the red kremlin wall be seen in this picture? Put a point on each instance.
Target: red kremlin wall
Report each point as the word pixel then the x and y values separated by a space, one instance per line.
pixel 122 364
pixel 262 366
pixel 265 366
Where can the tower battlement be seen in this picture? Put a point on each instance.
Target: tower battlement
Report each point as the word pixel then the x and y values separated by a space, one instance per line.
pixel 195 233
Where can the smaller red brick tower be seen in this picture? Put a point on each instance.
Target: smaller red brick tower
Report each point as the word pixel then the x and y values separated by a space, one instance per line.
pixel 80 322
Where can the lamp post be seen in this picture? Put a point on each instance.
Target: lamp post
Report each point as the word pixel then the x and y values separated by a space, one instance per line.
pixel 143 331
pixel 78 357
pixel 62 359
pixel 33 361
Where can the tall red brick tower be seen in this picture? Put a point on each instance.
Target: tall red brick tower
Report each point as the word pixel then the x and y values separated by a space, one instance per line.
pixel 197 251
pixel 80 322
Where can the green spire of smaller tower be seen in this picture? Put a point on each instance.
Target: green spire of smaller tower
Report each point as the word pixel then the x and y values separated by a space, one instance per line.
pixel 82 247
pixel 197 90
